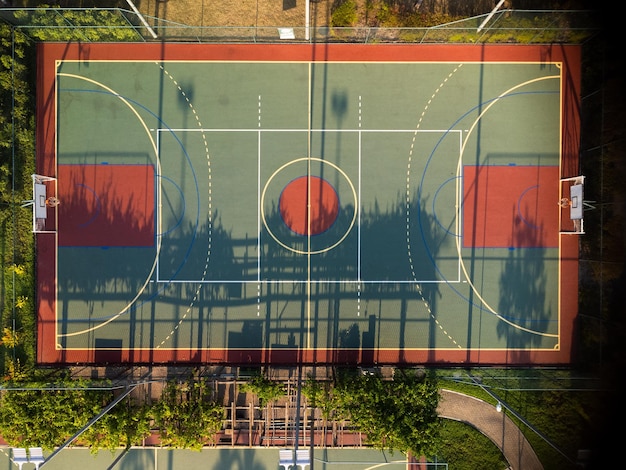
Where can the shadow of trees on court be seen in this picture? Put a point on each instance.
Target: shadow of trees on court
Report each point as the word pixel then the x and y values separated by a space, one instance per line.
pixel 522 290
pixel 375 289
pixel 100 208
pixel 213 292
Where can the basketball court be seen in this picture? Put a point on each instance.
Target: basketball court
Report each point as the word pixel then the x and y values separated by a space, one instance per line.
pixel 312 204
pixel 156 458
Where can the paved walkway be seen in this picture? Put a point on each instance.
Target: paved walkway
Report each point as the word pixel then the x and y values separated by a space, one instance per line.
pixel 495 425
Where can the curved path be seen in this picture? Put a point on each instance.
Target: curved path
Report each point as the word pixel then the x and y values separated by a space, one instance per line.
pixel 495 425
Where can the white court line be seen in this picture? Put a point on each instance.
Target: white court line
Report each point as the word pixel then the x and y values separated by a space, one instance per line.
pixel 312 281
pixel 159 214
pixel 358 209
pixel 258 216
pixel 356 130
pixel 359 186
pixel 308 198
pixel 359 131
pixel 459 201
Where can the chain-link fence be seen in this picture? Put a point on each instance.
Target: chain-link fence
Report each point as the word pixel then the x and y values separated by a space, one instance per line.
pixel 102 25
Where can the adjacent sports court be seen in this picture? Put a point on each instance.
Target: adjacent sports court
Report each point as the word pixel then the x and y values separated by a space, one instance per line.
pixel 327 204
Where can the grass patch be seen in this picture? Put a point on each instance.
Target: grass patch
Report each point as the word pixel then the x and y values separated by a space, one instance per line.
pixel 464 448
pixel 558 408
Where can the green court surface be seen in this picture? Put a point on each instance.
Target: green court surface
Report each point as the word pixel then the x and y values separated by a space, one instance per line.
pixel 257 211
pixel 214 459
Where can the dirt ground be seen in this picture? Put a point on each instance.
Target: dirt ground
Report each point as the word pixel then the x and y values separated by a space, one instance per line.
pixel 237 12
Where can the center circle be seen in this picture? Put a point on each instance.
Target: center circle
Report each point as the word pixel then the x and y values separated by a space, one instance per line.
pixel 309 205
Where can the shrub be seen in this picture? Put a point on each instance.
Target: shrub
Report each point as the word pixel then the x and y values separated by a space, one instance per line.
pixel 344 14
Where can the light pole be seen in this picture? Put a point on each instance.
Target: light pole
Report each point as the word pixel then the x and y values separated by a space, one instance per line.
pixel 502 404
pixel 307 19
pixel 142 19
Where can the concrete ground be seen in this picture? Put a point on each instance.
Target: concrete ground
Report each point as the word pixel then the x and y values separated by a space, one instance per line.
pixel 497 426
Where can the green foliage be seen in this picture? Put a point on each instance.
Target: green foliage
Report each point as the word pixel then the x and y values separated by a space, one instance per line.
pixel 127 424
pixel 10 338
pixel 17 115
pixel 187 417
pixel 86 25
pixel 344 13
pixel 19 286
pixel 403 14
pixel 17 163
pixel 321 395
pixel 395 415
pixel 45 415
pixel 265 389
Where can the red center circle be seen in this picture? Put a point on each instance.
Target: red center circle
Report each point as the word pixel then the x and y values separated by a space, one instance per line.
pixel 309 195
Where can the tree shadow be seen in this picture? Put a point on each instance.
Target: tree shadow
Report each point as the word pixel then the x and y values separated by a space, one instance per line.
pixel 214 293
pixel 522 289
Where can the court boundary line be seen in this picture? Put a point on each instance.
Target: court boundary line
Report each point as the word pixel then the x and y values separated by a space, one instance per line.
pixel 473 55
pixel 358 131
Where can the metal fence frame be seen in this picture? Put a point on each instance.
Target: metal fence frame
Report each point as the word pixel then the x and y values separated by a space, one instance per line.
pixel 117 24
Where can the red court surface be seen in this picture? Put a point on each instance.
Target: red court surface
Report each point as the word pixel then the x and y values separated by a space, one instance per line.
pixel 106 205
pixel 512 209
pixel 309 205
pixel 510 206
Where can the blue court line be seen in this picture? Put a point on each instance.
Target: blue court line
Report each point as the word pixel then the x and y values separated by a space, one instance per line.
pixel 197 221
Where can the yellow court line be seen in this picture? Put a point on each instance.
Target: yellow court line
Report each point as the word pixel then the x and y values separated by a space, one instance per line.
pixel 276 172
pixel 458 240
pixel 158 248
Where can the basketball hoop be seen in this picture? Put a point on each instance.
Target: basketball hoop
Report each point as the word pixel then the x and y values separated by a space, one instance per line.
pixel 52 201
pixel 574 188
pixel 41 202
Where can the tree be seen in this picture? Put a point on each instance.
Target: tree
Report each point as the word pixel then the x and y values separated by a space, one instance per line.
pixel 17 163
pixel 127 424
pixel 320 395
pixel 47 415
pixel 264 388
pixel 187 417
pixel 395 415
pixel 85 25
